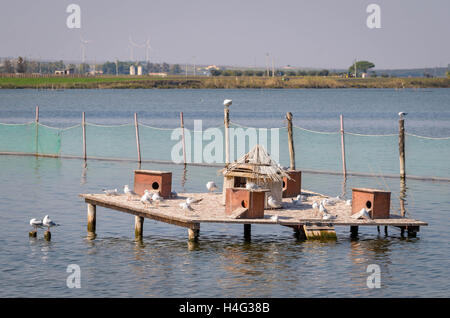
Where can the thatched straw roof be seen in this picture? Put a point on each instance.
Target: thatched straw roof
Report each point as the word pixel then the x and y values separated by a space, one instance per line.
pixel 256 164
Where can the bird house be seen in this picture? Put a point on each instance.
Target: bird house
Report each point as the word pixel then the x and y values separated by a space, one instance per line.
pixel 250 202
pixel 256 167
pixel 154 181
pixel 292 186
pixel 377 202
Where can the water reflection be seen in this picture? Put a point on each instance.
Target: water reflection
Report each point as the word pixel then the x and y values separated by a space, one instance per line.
pixel 84 173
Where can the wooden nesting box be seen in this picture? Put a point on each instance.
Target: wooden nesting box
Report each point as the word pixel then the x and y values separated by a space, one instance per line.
pixel 292 186
pixel 153 181
pixel 252 200
pixel 378 201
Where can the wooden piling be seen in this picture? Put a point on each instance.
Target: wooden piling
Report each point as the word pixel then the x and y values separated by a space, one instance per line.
pixel 138 227
pixel 247 231
pixel 401 147
pixel 83 126
pixel 182 137
pixel 37 131
pixel 32 233
pixel 227 137
pixel 353 231
pixel 193 234
pixel 291 141
pixel 344 166
pixel 92 217
pixel 138 144
pixel 47 235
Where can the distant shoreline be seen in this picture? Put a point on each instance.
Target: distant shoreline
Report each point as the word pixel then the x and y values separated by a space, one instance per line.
pixel 219 82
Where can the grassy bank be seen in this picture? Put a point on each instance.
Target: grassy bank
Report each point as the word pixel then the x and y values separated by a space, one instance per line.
pixel 217 82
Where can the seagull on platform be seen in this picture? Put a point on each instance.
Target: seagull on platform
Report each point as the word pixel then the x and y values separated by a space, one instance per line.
pixel 274 218
pixel 363 214
pixel 192 200
pixel 322 208
pixel 35 223
pixel 111 192
pixel 251 186
pixel 297 200
pixel 211 186
pixel 328 216
pixel 315 205
pixel 128 192
pixel 330 201
pixel 186 207
pixel 146 199
pixel 48 223
pixel 402 115
pixel 273 203
pixel 348 202
pixel 157 198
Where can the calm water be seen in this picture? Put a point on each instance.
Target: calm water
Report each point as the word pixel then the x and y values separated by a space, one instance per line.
pixel 273 264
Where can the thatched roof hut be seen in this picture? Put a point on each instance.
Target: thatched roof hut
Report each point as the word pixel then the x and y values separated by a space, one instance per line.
pixel 256 166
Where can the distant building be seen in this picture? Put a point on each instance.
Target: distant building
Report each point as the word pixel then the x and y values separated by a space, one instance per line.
pixel 132 70
pixel 139 70
pixel 158 74
pixel 67 71
pixel 94 72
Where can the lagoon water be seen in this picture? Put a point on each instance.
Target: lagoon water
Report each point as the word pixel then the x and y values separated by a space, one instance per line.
pixel 222 264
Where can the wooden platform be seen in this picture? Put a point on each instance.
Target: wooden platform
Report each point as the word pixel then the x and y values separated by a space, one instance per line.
pixel 211 210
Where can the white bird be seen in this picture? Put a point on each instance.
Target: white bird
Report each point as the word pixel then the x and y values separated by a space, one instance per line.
pixel 227 102
pixel 274 218
pixel 191 200
pixel 111 192
pixel 273 203
pixel 402 115
pixel 157 198
pixel 363 214
pixel 186 207
pixel 251 186
pixel 348 202
pixel 48 223
pixel 297 200
pixel 328 216
pixel 329 201
pixel 128 192
pixel 146 198
pixel 322 208
pixel 315 205
pixel 35 223
pixel 211 186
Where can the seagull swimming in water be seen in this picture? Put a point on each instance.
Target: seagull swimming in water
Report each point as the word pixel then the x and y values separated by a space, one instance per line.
pixel 273 203
pixel 402 115
pixel 298 200
pixel 48 223
pixel 35 223
pixel 128 192
pixel 363 214
pixel 146 198
pixel 211 186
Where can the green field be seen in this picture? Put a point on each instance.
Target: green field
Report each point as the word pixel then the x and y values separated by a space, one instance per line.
pixel 104 82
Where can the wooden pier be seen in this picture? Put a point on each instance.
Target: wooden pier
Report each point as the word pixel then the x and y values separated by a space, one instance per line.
pixel 306 221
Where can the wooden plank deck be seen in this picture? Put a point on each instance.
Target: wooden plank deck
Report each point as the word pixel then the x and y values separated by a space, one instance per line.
pixel 211 210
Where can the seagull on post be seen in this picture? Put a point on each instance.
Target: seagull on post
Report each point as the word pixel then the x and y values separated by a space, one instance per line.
pixel 48 223
pixel 402 115
pixel 227 102
pixel 157 198
pixel 211 186
pixel 35 223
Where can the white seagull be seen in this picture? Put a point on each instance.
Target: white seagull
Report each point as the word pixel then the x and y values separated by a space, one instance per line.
pixel 363 214
pixel 35 223
pixel 146 198
pixel 298 200
pixel 227 102
pixel 315 205
pixel 273 203
pixel 402 115
pixel 186 207
pixel 48 223
pixel 211 186
pixel 157 198
pixel 128 192
pixel 328 216
pixel 191 200
pixel 111 192
pixel 274 218
pixel 348 202
pixel 322 208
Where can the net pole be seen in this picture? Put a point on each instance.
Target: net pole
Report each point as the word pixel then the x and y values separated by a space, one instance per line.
pixel 37 131
pixel 182 137
pixel 290 141
pixel 226 113
pixel 401 147
pixel 138 144
pixel 83 125
pixel 344 165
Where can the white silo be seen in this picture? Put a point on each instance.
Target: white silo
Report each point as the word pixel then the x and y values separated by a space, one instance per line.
pixel 132 70
pixel 139 70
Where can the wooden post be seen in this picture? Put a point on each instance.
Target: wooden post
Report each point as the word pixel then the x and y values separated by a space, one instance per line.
pixel 37 130
pixel 138 145
pixel 353 231
pixel 83 126
pixel 193 234
pixel 247 231
pixel 344 166
pixel 47 235
pixel 138 227
pixel 401 147
pixel 291 141
pixel 299 232
pixel 227 137
pixel 182 137
pixel 92 217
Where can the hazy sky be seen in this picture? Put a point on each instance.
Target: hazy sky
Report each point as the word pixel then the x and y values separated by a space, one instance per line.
pixel 319 33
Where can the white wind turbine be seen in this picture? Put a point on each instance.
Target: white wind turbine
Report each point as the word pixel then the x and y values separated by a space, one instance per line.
pixel 83 48
pixel 134 45
pixel 147 50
